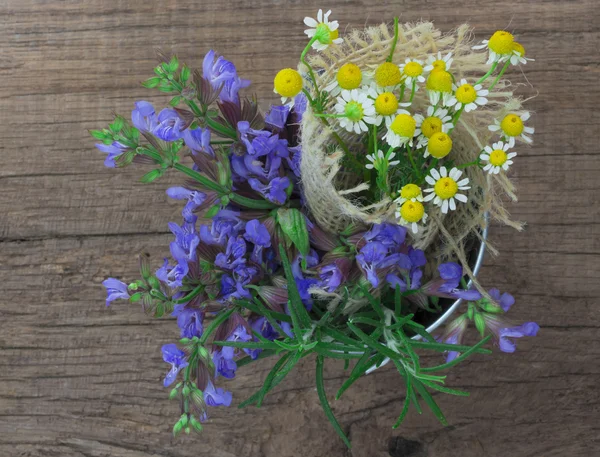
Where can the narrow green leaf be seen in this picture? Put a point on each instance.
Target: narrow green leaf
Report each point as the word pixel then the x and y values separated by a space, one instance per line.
pixel 367 321
pixel 222 317
pixel 325 403
pixel 185 74
pixel 446 390
pixel 373 301
pixel 293 224
pixel 173 64
pixel 246 344
pixel 287 367
pixel 425 395
pixel 98 134
pixel 397 301
pixel 297 308
pixel 406 405
pixel 269 380
pixel 460 358
pixel 336 334
pixel 373 344
pixel 365 362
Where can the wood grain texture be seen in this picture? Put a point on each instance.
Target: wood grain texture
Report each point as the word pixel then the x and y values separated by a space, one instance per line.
pixel 77 379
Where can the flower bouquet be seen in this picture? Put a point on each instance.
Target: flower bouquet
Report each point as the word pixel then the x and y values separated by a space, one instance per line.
pixel 338 226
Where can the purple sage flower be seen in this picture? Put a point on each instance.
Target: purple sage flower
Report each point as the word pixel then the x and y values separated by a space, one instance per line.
pixel 176 357
pixel 115 290
pixel 189 321
pixel 217 70
pixel 216 396
pixel 143 117
pixel 224 356
pixel 194 199
pixel 257 234
pixel 198 140
pixel 113 150
pixel 505 300
pixel 170 125
pixel 274 191
pixel 234 254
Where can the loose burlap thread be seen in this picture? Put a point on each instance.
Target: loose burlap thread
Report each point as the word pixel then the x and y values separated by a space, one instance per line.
pixel 332 193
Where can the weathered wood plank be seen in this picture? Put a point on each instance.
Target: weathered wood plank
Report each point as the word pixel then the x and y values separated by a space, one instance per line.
pixel 78 379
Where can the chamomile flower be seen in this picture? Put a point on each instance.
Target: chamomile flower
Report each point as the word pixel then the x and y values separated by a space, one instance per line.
pixel 387 75
pixel 401 130
pixel 513 126
pixel 439 145
pixel 358 110
pixel 497 157
pixel 325 30
pixel 380 161
pixel 439 86
pixel 437 120
pixel 438 62
pixel 410 192
pixel 386 104
pixel 348 77
pixel 446 187
pixel 410 214
pixel 500 46
pixel 468 96
pixel 518 55
pixel 412 72
pixel 287 83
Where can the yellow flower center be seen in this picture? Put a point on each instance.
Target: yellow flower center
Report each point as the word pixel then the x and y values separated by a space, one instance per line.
pixel 413 69
pixel 410 191
pixel 386 104
pixel 354 111
pixel 439 64
pixel 501 42
pixel 439 145
pixel 466 94
pixel 431 125
pixel 519 48
pixel 412 211
pixel 288 82
pixel 498 157
pixel 512 125
pixel 404 125
pixel 440 81
pixel 387 74
pixel 349 76
pixel 334 34
pixel 445 188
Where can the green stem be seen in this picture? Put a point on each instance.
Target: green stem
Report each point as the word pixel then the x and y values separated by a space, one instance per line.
pixel 214 324
pixel 394 41
pixel 206 182
pixel 336 116
pixel 193 294
pixel 412 92
pixel 310 70
pixel 222 130
pixel 491 70
pixel 413 163
pixel 504 68
pixel 251 203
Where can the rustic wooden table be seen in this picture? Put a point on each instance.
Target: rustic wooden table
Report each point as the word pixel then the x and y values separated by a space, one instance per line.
pixel 78 379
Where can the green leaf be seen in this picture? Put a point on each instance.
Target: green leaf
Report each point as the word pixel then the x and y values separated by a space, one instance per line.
pixel 222 317
pixel 409 393
pixel 446 390
pixel 480 324
pixel 98 134
pixel 460 358
pixel 152 82
pixel 373 344
pixel 325 403
pixel 173 64
pixel 293 224
pixel 300 318
pixel 269 382
pixel 175 100
pixel 425 395
pixel 185 74
pixel 151 176
pixel 246 344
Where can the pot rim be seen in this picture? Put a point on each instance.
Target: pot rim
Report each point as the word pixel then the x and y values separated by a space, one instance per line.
pixel 444 317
